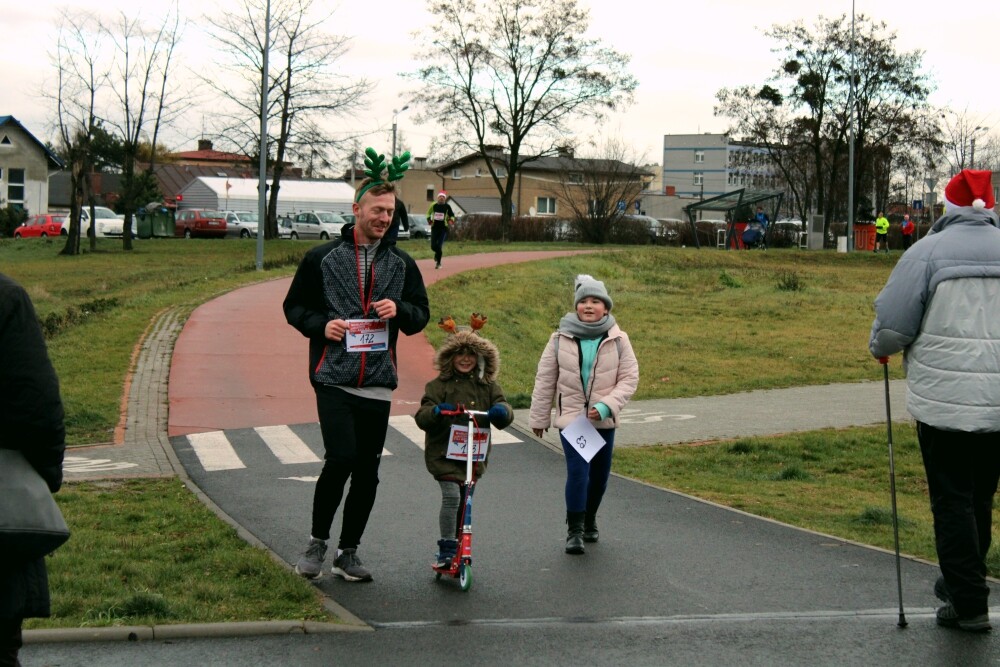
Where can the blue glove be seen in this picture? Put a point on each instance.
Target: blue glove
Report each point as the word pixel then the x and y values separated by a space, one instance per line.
pixel 442 406
pixel 497 415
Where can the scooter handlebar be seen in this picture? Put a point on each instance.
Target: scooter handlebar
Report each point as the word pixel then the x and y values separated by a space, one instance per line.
pixel 460 410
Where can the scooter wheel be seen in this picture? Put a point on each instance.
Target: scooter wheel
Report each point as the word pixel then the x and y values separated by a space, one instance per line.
pixel 437 576
pixel 465 577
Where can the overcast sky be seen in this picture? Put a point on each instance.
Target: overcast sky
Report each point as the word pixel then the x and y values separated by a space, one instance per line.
pixel 683 51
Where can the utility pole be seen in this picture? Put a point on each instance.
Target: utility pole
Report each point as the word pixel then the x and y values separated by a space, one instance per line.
pixel 262 176
pixel 394 114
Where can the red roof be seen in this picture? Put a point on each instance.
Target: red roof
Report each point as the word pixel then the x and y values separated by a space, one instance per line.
pixel 210 155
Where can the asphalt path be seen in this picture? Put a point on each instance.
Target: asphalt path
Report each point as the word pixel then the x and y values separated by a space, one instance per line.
pixel 673 581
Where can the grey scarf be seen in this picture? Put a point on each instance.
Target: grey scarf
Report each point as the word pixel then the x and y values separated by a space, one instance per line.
pixel 571 325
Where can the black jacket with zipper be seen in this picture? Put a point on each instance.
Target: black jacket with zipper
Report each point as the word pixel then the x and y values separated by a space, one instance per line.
pixel 325 287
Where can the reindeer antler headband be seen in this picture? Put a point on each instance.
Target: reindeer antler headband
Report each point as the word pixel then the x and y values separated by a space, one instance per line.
pixel 376 165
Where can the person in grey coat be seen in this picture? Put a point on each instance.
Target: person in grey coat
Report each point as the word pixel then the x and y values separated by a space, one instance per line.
pixel 31 420
pixel 941 308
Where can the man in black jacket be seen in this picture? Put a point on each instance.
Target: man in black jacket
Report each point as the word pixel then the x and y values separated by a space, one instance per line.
pixel 351 297
pixel 31 420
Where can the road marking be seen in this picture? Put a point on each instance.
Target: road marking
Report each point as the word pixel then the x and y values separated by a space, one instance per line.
pixel 408 428
pixel 214 451
pixel 286 446
pixel 637 416
pixel 82 464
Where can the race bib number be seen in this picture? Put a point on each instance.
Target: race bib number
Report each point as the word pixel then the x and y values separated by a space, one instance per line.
pixel 366 335
pixel 583 437
pixel 439 215
pixel 458 443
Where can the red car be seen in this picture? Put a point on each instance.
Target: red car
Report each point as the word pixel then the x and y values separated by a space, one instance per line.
pixel 200 222
pixel 41 225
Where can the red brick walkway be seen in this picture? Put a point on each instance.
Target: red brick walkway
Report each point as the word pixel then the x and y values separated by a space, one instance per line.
pixel 238 364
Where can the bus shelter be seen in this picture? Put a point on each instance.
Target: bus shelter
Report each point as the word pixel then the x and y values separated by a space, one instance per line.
pixel 736 205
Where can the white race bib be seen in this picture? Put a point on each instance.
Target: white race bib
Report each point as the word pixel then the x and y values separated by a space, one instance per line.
pixel 458 443
pixel 366 335
pixel 583 437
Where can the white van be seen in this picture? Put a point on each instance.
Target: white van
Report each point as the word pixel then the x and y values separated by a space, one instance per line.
pixel 317 225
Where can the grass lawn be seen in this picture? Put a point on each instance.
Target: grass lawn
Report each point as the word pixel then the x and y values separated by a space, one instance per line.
pixel 703 322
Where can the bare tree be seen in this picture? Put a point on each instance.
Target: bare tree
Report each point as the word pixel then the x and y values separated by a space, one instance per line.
pixel 965 139
pixel 811 95
pixel 80 74
pixel 304 90
pixel 514 73
pixel 140 86
pixel 593 187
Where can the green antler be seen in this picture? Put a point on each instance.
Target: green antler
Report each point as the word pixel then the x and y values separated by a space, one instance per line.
pixel 375 163
pixel 399 165
pixel 377 166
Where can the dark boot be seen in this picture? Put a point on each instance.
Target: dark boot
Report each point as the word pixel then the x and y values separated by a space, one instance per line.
pixel 446 552
pixel 574 536
pixel 590 533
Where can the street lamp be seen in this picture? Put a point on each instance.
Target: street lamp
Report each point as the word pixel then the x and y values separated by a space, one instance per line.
pixel 395 113
pixel 972 145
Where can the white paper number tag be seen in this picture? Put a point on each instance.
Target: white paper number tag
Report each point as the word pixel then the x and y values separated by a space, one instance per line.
pixel 583 437
pixel 366 335
pixel 458 443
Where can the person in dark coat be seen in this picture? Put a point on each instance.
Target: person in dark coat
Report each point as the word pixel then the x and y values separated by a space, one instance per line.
pixel 31 420
pixel 400 219
pixel 467 366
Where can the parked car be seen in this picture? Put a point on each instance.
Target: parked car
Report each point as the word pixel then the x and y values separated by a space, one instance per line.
pixel 670 229
pixel 650 225
pixel 41 226
pixel 349 217
pixel 106 221
pixel 284 228
pixel 317 225
pixel 419 227
pixel 193 222
pixel 241 224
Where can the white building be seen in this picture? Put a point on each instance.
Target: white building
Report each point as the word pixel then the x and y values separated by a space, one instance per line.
pixel 25 167
pixel 240 194
pixel 707 165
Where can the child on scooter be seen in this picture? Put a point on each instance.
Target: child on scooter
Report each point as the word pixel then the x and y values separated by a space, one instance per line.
pixel 467 366
pixel 588 368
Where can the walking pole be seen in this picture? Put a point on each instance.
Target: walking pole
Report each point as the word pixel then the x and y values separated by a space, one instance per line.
pixel 892 489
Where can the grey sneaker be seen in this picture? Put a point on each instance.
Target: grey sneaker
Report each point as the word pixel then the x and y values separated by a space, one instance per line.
pixel 348 566
pixel 947 617
pixel 310 564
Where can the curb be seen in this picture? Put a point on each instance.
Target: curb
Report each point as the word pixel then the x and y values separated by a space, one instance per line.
pixel 132 633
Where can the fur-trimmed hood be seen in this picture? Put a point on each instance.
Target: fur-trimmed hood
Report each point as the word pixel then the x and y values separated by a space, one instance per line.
pixel 486 352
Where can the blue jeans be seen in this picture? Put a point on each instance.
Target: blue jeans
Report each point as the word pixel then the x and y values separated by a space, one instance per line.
pixel 586 482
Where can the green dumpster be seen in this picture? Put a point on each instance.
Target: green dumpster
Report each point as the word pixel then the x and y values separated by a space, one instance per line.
pixel 163 223
pixel 143 224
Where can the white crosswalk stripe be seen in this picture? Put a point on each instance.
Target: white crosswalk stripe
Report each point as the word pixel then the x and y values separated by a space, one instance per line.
pixel 216 452
pixel 286 446
pixel 408 428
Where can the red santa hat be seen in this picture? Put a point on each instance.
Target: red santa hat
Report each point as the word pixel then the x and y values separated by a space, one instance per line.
pixel 442 194
pixel 970 187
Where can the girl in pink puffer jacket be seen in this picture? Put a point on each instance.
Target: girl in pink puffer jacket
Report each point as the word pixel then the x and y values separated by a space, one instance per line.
pixel 588 368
